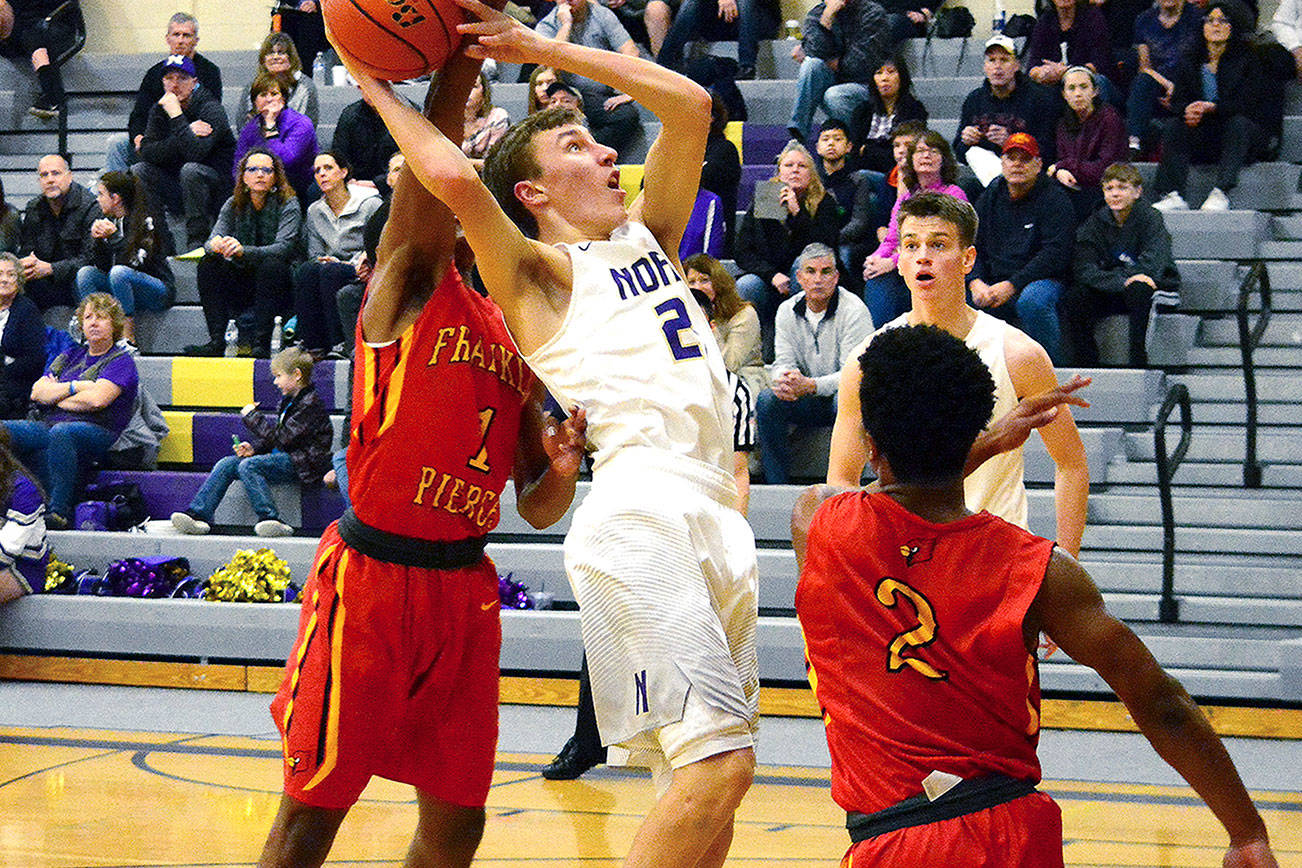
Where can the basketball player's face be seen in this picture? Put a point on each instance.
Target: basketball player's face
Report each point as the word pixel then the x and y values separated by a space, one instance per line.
pixel 580 177
pixel 933 261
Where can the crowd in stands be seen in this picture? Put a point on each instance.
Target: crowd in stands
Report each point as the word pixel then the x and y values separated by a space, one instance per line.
pixel 285 228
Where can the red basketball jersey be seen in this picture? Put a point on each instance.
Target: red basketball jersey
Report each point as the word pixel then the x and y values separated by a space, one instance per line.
pixel 913 637
pixel 435 470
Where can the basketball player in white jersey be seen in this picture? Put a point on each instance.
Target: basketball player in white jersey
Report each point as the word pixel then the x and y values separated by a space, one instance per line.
pixel 662 564
pixel 936 253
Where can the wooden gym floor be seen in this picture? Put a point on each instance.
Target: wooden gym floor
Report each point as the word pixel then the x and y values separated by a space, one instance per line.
pixel 203 793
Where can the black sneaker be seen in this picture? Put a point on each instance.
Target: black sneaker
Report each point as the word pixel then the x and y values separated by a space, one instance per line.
pixel 212 348
pixel 45 111
pixel 571 762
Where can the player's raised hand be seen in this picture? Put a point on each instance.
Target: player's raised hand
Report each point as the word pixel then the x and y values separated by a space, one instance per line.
pixel 564 443
pixel 1254 854
pixel 1035 411
pixel 499 36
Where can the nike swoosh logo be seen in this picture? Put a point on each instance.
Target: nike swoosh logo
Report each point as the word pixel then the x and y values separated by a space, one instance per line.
pixel 585 245
pixel 484 607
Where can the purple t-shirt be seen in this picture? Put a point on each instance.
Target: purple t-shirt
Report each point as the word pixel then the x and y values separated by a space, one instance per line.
pixel 1166 48
pixel 120 371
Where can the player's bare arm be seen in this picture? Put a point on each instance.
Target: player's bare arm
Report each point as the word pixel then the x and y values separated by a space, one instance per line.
pixel 522 276
pixel 1034 411
pixel 803 513
pixel 673 164
pixel 548 458
pixel 1032 373
pixel 849 453
pixel 1070 610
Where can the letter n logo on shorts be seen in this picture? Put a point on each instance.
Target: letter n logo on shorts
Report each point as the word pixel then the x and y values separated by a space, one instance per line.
pixel 640 705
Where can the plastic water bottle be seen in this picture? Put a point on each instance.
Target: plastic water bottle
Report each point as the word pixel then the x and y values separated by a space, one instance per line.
pixel 232 336
pixel 1000 19
pixel 74 328
pixel 319 70
pixel 277 335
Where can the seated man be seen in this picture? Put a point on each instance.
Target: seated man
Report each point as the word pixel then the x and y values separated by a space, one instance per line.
pixel 815 332
pixel 1023 245
pixel 182 37
pixel 188 150
pixel 365 141
pixel 612 117
pixel 1123 257
pixel 55 239
pixel 935 752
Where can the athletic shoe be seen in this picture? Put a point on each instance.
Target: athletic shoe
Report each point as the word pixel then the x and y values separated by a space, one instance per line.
pixel 183 522
pixel 212 348
pixel 44 111
pixel 1172 201
pixel 1216 201
pixel 272 527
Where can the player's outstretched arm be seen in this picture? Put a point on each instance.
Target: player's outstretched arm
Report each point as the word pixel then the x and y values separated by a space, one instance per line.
pixel 673 164
pixel 1069 609
pixel 1034 411
pixel 548 458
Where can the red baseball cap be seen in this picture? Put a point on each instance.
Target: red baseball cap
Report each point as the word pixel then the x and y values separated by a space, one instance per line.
pixel 1022 142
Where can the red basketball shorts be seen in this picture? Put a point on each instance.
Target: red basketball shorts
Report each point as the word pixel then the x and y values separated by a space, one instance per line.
pixel 394 673
pixel 1023 833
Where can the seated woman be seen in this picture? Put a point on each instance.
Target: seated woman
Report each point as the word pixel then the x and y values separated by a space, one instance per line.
pixel 931 167
pixel 293 443
pixel 767 247
pixel 24 551
pixel 1069 33
pixel 278 56
pixel 540 79
pixel 1219 112
pixel 281 130
pixel 734 321
pixel 890 103
pixel 25 34
pixel 85 400
pixel 246 273
pixel 129 247
pixel 1091 137
pixel 485 122
pixel 332 235
pixel 22 340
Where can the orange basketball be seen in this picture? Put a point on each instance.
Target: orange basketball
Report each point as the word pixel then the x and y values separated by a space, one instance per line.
pixel 395 39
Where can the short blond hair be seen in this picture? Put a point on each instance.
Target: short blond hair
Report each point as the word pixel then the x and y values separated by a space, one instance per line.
pixel 293 359
pixel 102 302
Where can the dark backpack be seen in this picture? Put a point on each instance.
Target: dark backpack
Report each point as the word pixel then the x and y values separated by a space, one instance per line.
pixel 115 505
pixel 954 22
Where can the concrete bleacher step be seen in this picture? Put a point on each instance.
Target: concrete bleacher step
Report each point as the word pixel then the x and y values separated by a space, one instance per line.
pixel 1284 330
pixel 1229 387
pixel 1227 473
pixel 1277 414
pixel 1263 357
pixel 1234 234
pixel 1274 445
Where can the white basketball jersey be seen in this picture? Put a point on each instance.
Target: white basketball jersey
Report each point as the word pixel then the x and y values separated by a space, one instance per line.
pixel 997 486
pixel 636 351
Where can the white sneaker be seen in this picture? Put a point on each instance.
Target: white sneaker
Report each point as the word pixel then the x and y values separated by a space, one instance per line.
pixel 272 527
pixel 1172 201
pixel 1216 201
pixel 183 522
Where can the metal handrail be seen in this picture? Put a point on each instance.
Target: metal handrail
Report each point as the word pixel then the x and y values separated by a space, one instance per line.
pixel 1168 608
pixel 1249 339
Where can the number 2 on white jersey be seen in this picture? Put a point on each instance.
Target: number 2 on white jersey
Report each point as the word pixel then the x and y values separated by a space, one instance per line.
pixel 673 327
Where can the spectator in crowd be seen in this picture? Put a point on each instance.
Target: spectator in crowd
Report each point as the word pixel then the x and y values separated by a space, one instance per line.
pixel 11 224
pixel 1123 256
pixel 281 129
pixel 188 149
pixel 890 103
pixel 734 321
pixel 844 42
pixel 279 57
pixel 562 95
pixel 485 122
pixel 302 21
pixel 837 164
pixel 55 237
pixel 1024 238
pixel 349 299
pixel 1287 27
pixel 364 141
pixel 817 328
pixel 767 246
pixel 332 235
pixel 721 172
pixel 1091 137
pixel 1165 34
pixel 22 340
pixel 540 79
pixel 612 117
pixel 182 38
pixel 1220 114
pixel 29 31
pixel 293 443
pixel 875 196
pixel 1068 33
pixel 246 272
pixel 24 550
pixel 129 247
pixel 930 168
pixel 908 19
pixel 84 401
pixel 1006 102
pixel 746 21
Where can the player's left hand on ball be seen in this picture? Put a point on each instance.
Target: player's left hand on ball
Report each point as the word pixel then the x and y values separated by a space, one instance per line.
pixel 564 442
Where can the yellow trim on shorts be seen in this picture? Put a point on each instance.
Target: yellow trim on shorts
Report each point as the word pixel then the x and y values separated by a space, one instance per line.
pixel 336 661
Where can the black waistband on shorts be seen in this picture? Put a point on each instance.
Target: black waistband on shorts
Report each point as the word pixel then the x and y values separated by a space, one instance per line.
pixel 966 797
pixel 408 551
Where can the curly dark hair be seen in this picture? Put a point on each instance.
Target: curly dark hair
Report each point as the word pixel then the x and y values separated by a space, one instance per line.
pixel 925 396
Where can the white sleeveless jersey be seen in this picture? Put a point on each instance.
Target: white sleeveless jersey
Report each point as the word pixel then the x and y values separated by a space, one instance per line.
pixel 636 351
pixel 997 486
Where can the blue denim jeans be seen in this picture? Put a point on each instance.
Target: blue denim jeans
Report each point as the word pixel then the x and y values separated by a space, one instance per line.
pixel 129 286
pixel 687 21
pixel 774 418
pixel 57 454
pixel 339 461
pixel 1035 308
pixel 887 297
pixel 256 472
pixel 1141 104
pixel 813 80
